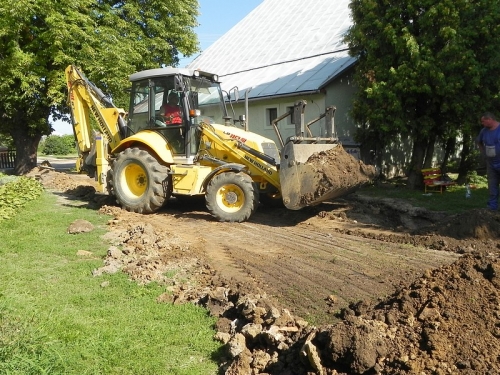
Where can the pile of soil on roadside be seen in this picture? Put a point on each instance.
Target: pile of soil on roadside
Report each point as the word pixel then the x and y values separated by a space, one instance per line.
pixel 63 182
pixel 447 321
pixel 481 224
pixel 74 185
pixel 397 221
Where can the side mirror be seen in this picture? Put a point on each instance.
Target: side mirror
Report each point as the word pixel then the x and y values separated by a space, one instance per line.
pixel 235 92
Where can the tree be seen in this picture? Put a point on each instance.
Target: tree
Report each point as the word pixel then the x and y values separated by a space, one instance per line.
pixel 426 70
pixel 109 39
pixel 58 145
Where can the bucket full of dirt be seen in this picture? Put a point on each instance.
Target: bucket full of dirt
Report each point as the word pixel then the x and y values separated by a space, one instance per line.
pixel 313 173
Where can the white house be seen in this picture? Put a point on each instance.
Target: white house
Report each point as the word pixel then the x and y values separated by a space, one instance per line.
pixel 282 52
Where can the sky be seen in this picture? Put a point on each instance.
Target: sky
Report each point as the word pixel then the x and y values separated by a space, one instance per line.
pixel 215 19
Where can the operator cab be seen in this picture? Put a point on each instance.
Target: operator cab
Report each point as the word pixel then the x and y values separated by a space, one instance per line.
pixel 173 102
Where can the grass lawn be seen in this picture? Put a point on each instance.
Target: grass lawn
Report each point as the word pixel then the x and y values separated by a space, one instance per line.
pixel 56 318
pixel 452 200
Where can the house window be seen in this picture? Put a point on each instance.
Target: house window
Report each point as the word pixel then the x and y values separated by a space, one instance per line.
pixel 289 119
pixel 271 114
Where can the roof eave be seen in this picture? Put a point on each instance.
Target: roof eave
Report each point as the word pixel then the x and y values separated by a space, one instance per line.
pixel 330 79
pixel 286 95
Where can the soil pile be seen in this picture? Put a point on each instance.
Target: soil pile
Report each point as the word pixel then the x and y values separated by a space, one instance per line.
pixel 481 224
pixel 395 221
pixel 341 169
pixel 64 182
pixel 335 173
pixel 448 321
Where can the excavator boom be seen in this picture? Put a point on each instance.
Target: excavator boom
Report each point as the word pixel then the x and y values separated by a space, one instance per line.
pixel 85 98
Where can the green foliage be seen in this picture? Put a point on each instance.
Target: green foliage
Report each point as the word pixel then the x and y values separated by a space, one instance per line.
pixel 15 194
pixel 108 39
pixel 6 141
pixel 58 145
pixel 474 178
pixel 426 69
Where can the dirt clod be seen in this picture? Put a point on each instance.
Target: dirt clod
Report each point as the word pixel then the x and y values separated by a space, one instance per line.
pixel 80 226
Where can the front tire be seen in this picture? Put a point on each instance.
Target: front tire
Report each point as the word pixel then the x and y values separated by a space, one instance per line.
pixel 231 197
pixel 140 183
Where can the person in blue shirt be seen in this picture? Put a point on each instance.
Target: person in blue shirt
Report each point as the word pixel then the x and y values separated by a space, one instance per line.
pixel 488 142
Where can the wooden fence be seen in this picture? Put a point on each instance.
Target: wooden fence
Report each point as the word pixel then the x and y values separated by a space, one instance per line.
pixel 7 159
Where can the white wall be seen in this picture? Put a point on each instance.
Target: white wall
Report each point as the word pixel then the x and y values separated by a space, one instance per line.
pixel 258 109
pixel 339 93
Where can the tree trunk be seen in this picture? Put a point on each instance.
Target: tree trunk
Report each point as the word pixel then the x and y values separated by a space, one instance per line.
pixel 26 147
pixel 429 153
pixel 417 160
pixel 466 162
pixel 448 150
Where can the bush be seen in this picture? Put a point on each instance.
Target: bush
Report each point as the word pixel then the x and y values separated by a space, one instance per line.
pixel 474 178
pixel 58 145
pixel 14 194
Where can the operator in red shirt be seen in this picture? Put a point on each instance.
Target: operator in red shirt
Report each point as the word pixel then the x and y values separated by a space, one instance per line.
pixel 171 110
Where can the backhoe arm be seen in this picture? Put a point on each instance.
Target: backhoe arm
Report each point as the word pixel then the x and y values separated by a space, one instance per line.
pixel 85 98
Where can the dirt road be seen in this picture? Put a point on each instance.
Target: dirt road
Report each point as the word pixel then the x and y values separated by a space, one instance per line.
pixel 297 257
pixel 388 285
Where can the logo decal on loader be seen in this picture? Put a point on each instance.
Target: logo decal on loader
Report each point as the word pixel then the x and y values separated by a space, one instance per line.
pixel 234 136
pixel 259 165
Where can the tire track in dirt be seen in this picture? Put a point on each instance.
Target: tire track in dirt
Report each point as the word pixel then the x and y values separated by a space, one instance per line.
pixel 298 257
pixel 302 265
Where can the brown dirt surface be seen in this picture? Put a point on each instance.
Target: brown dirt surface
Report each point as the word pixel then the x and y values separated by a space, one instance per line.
pixel 353 286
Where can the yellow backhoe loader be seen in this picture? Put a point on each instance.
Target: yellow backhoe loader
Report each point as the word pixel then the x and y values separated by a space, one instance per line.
pixel 146 155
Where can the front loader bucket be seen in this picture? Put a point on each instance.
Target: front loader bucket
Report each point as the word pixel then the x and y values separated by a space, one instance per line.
pixel 305 183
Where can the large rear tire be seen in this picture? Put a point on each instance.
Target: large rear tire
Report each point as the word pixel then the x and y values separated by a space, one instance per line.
pixel 140 183
pixel 231 197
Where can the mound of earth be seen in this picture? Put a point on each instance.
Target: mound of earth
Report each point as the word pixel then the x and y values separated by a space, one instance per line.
pixel 448 321
pixel 481 224
pixel 323 176
pixel 340 169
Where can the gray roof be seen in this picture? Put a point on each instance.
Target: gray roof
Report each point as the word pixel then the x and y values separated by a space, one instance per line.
pixel 282 47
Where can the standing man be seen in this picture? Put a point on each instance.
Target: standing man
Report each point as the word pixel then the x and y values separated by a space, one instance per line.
pixel 488 141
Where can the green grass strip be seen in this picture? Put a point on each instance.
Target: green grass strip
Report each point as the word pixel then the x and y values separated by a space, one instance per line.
pixel 56 318
pixel 452 200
